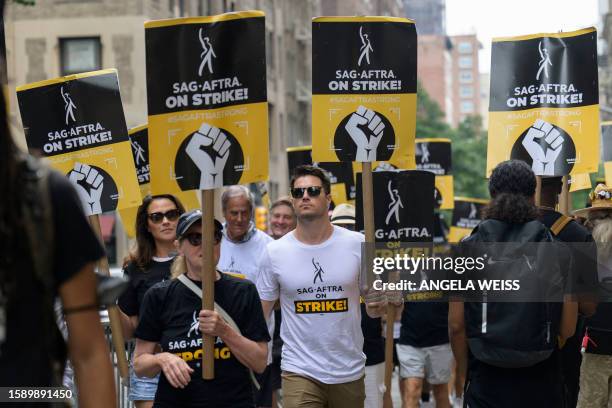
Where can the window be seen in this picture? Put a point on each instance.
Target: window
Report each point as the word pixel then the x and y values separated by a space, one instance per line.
pixel 467 107
pixel 465 62
pixel 466 77
pixel 464 47
pixel 80 55
pixel 466 91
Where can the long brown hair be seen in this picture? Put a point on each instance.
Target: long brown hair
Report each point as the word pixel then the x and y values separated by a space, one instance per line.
pixel 143 251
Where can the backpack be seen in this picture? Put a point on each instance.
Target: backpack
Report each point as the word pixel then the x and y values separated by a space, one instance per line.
pixel 39 229
pixel 560 224
pixel 514 334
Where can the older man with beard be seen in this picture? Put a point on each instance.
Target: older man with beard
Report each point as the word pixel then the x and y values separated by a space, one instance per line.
pixel 596 368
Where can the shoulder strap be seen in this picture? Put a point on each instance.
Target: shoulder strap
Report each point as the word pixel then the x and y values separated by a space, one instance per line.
pixel 558 225
pixel 195 289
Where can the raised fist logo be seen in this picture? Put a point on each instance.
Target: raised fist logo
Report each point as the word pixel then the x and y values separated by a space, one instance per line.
pixel 89 184
pixel 544 154
pixel 366 146
pixel 211 163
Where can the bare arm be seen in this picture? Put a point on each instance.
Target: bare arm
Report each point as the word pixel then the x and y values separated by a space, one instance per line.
pixel 569 318
pixel 587 308
pixel 128 324
pixel 148 364
pixel 87 345
pixel 251 354
pixel 458 339
pixel 267 306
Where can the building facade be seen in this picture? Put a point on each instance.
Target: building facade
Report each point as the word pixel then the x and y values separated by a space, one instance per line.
pixel 435 72
pixel 605 59
pixel 430 16
pixel 466 79
pixel 61 37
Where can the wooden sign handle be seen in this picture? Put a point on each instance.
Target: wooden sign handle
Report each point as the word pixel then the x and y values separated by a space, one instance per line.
pixel 208 279
pixel 367 186
pixel 564 197
pixel 113 311
pixel 387 400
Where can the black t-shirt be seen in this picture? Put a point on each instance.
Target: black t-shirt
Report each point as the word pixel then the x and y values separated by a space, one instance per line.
pixel 23 359
pixel 373 342
pixel 572 232
pixel 424 324
pixel 169 316
pixel 140 281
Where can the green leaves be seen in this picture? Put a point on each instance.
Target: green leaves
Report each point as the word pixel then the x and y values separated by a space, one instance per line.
pixel 469 145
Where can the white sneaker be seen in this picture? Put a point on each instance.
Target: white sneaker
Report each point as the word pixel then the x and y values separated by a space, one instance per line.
pixel 456 402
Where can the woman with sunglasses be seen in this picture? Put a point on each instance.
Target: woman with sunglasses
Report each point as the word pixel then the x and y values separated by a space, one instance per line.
pixel 147 264
pixel 171 317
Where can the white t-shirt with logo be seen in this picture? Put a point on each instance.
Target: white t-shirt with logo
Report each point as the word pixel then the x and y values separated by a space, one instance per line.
pixel 318 286
pixel 243 257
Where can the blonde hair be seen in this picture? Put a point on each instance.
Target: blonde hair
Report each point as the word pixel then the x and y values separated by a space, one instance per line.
pixel 179 266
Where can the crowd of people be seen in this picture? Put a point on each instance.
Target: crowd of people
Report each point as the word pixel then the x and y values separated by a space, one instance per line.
pixel 290 311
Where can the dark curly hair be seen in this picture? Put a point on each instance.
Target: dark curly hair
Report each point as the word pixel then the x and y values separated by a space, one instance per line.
pixel 512 186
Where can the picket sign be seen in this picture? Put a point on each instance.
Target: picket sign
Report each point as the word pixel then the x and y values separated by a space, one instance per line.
pixel 208 117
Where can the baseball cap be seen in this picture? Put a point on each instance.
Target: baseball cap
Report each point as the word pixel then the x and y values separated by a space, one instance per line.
pixel 189 218
pixel 343 214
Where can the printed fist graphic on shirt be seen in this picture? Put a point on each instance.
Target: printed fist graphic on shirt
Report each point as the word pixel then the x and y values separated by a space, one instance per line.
pixel 366 146
pixel 543 155
pixel 210 166
pixel 89 184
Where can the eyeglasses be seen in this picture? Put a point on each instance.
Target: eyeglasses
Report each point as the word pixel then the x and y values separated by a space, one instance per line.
pixel 313 191
pixel 171 215
pixel 195 238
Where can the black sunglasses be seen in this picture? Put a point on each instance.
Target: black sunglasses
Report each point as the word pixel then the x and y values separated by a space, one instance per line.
pixel 171 215
pixel 313 191
pixel 195 238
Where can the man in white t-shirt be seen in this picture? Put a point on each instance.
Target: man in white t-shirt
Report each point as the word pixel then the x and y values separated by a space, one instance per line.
pixel 315 270
pixel 242 243
pixel 241 249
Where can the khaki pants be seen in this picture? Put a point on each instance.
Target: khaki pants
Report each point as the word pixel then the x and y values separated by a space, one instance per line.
pixel 304 392
pixel 595 381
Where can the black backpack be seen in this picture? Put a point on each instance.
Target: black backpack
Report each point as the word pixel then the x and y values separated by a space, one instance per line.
pixel 516 334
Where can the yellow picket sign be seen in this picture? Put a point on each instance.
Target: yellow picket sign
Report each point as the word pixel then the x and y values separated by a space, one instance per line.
pixel 208 115
pixel 544 102
pixel 434 155
pixel 364 101
pixel 77 123
pixel 466 216
pixel 580 182
pixel 139 140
